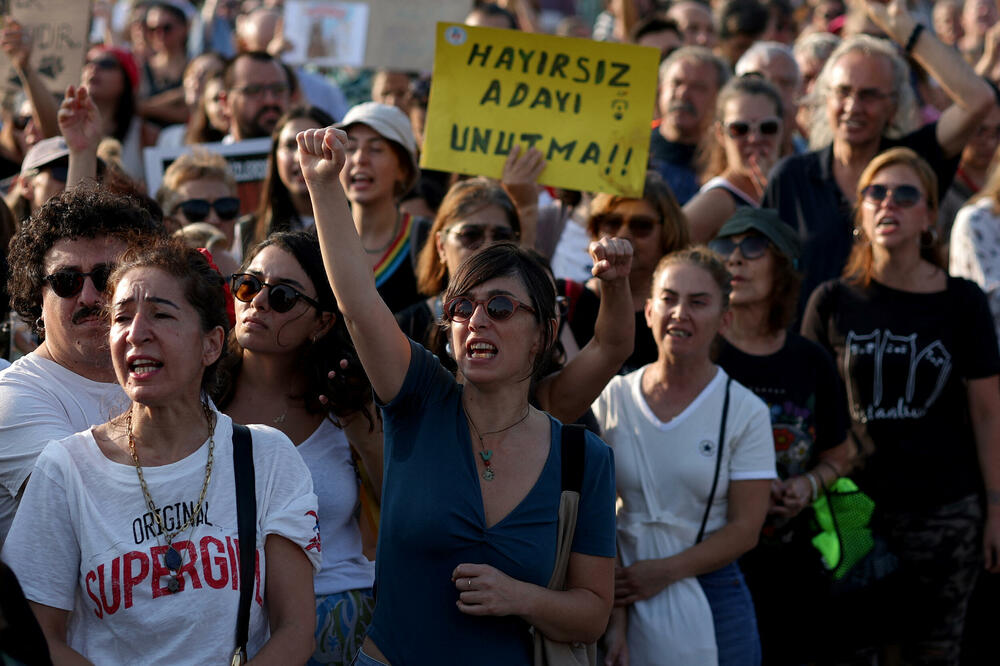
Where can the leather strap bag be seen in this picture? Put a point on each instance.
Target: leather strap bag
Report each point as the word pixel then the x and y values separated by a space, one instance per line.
pixel 246 521
pixel 549 652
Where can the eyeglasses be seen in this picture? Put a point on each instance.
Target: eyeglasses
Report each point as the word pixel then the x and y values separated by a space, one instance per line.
pixel 471 236
pixel 165 28
pixel 280 297
pixel 751 247
pixel 104 63
pixel 904 196
pixel 258 89
pixel 67 283
pixel 20 122
pixel 738 129
pixel 609 224
pixel 864 96
pixel 498 308
pixel 197 210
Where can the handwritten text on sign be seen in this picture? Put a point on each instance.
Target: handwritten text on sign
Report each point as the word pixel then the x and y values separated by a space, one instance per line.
pixel 584 104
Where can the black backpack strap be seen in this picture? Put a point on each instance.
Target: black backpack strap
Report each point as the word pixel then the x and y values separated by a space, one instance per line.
pixel 718 461
pixel 246 514
pixel 573 457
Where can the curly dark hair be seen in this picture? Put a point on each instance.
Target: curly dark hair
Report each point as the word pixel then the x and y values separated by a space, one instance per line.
pixel 349 392
pixel 203 286
pixel 85 211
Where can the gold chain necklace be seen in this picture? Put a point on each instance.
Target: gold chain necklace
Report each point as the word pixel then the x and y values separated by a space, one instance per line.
pixel 173 559
pixel 486 453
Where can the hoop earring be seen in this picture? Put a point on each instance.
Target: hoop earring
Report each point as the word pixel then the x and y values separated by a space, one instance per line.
pixel 39 323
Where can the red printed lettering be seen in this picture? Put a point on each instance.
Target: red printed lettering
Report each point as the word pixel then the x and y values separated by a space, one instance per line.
pixel 189 566
pixel 116 593
pixel 234 563
pixel 91 576
pixel 131 578
pixel 219 560
pixel 160 570
pixel 256 570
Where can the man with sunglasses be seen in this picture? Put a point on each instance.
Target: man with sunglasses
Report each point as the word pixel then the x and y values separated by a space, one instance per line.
pixel 60 261
pixel 864 95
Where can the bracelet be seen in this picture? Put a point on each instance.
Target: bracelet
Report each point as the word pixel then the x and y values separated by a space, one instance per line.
pixel 812 482
pixel 914 36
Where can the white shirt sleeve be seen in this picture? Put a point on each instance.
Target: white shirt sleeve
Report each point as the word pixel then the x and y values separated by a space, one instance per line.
pixel 750 436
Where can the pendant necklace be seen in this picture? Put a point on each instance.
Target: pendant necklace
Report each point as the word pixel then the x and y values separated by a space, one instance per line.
pixel 486 453
pixel 172 559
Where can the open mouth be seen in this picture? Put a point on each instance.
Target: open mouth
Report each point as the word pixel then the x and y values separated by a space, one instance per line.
pixel 144 366
pixel 678 333
pixel 361 179
pixel 482 350
pixel 887 223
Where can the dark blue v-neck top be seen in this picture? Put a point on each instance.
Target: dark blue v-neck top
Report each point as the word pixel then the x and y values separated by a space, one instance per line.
pixel 433 520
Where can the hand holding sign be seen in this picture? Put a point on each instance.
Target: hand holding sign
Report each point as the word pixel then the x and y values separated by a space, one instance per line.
pixel 16 43
pixel 80 121
pixel 322 153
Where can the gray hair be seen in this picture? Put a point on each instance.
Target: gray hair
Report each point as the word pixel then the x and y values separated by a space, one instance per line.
pixel 698 54
pixel 905 119
pixel 763 53
pixel 816 45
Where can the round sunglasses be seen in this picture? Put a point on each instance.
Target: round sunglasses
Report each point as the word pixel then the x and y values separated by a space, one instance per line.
pixel 498 308
pixel 738 129
pixel 904 196
pixel 751 247
pixel 609 224
pixel 471 236
pixel 280 297
pixel 197 210
pixel 69 283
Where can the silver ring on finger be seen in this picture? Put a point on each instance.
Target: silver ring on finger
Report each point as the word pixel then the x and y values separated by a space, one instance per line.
pixel 469 581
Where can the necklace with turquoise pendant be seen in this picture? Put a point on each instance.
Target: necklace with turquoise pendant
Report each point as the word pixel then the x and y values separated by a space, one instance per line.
pixel 486 454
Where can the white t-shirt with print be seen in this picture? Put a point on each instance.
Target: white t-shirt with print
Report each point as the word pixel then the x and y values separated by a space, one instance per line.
pixel 40 401
pixel 83 540
pixel 327 454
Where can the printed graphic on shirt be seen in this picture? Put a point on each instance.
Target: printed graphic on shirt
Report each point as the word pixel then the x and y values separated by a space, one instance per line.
pixel 890 377
pixel 793 436
pixel 314 541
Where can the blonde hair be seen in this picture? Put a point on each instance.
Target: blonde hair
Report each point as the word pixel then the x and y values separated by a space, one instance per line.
pixel 860 268
pixel 199 164
pixel 705 259
pixel 673 224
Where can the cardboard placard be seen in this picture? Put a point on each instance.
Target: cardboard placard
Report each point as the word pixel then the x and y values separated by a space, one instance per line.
pixel 247 159
pixel 584 104
pixel 401 33
pixel 326 33
pixel 58 29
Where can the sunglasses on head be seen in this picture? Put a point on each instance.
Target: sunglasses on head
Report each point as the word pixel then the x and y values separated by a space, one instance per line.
pixel 471 236
pixel 738 129
pixel 280 297
pixel 498 308
pixel 903 196
pixel 751 247
pixel 609 224
pixel 69 283
pixel 197 210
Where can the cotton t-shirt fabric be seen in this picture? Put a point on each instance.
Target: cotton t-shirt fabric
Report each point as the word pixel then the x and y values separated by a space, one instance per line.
pixel 805 193
pixel 40 401
pixel 394 276
pixel 675 164
pixel 664 474
pixel 432 521
pixel 974 252
pixel 905 358
pixel 327 454
pixel 85 541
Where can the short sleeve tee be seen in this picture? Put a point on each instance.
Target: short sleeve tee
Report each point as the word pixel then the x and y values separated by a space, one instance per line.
pixel 805 399
pixel 40 401
pixel 432 520
pixel 683 451
pixel 904 358
pixel 84 540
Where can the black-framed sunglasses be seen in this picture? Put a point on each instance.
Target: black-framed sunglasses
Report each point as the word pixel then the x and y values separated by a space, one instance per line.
pixel 471 236
pixel 904 196
pixel 738 129
pixel 609 224
pixel 751 247
pixel 280 297
pixel 69 283
pixel 498 308
pixel 197 210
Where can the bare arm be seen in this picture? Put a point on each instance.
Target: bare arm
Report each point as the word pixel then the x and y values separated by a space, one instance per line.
pixel 291 607
pixel 972 98
pixel 53 623
pixel 706 212
pixel 984 406
pixel 748 502
pixel 568 393
pixel 578 614
pixel 797 491
pixel 80 124
pixel 383 349
pixel 16 44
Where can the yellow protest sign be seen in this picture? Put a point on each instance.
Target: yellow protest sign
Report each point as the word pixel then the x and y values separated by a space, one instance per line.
pixel 585 105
